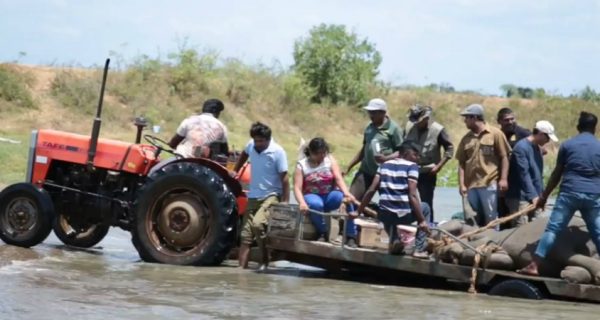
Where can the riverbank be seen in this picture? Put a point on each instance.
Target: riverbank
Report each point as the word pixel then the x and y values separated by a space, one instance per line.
pixel 65 98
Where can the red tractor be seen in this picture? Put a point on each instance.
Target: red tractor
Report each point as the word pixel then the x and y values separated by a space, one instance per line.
pixel 179 211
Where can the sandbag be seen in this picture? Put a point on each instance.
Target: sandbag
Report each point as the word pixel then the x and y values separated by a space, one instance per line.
pixel 497 260
pixel 574 274
pixel 590 264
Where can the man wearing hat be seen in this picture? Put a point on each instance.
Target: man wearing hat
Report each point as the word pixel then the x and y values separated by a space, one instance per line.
pixel 482 164
pixel 202 135
pixel 578 172
pixel 526 170
pixel 381 140
pixel 430 136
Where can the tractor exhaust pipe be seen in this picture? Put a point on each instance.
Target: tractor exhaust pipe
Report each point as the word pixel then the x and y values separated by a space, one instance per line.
pixel 97 122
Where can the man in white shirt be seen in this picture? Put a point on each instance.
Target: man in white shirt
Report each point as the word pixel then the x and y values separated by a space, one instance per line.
pixel 202 135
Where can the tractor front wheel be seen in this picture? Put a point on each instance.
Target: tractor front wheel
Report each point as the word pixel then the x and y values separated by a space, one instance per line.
pixel 184 214
pixel 26 214
pixel 85 236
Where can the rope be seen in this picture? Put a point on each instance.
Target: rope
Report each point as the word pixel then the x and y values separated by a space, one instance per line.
pixel 486 251
pixel 499 221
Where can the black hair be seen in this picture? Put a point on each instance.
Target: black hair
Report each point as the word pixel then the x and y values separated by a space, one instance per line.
pixel 408 145
pixel 535 131
pixel 214 106
pixel 315 145
pixel 587 122
pixel 504 111
pixel 261 130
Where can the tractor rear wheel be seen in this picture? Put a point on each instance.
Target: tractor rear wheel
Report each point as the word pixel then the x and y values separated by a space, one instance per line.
pixel 83 236
pixel 184 214
pixel 26 215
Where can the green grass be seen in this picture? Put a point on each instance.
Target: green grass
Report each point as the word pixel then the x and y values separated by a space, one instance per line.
pixel 13 158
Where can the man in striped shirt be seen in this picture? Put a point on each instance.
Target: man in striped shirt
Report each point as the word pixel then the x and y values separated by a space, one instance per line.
pixel 399 201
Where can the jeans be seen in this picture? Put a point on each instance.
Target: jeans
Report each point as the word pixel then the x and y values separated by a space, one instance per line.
pixel 328 202
pixel 484 201
pixel 391 220
pixel 565 206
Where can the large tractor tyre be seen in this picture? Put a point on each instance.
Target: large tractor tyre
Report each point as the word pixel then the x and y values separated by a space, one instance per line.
pixel 517 289
pixel 26 215
pixel 78 236
pixel 184 214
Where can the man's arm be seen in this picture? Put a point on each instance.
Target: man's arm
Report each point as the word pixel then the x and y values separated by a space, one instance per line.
pixel 503 149
pixel 413 199
pixel 285 187
pixel 396 140
pixel 444 141
pixel 175 141
pixel 357 158
pixel 462 188
pixel 369 194
pixel 522 168
pixel 554 179
pixel 381 158
pixel 240 162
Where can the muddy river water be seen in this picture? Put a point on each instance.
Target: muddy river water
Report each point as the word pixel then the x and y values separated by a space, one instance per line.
pixel 51 281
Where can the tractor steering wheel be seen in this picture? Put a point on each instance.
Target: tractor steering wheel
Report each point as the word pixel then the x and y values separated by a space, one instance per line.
pixel 160 145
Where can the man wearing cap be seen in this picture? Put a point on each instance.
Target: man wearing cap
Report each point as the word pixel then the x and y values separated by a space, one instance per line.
pixel 578 166
pixel 430 136
pixel 482 164
pixel 381 140
pixel 202 135
pixel 525 176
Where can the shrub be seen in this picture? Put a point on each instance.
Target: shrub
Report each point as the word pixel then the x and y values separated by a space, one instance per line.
pixel 75 89
pixel 13 88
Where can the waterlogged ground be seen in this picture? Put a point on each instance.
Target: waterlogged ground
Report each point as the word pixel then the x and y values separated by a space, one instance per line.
pixel 51 281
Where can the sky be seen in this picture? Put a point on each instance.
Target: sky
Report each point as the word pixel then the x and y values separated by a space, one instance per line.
pixel 471 45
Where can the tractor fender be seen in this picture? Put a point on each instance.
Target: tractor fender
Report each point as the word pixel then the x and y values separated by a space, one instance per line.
pixel 233 184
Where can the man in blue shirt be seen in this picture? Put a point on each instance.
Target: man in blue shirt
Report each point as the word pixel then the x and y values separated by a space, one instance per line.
pixel 525 177
pixel 269 184
pixel 399 201
pixel 578 164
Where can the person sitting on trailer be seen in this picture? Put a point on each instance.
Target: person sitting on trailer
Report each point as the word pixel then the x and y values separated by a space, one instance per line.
pixel 399 201
pixel 319 186
pixel 202 135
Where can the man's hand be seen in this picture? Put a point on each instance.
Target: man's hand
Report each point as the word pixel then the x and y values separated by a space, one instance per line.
pixel 539 202
pixel 462 190
pixel 424 226
pixel 503 185
pixel 233 174
pixel 379 158
pixel 434 170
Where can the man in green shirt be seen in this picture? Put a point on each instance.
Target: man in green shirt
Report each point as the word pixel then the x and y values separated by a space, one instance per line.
pixel 381 140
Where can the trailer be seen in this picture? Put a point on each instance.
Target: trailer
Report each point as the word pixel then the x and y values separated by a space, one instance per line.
pixel 288 239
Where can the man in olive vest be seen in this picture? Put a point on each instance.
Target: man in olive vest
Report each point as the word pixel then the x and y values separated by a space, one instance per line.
pixel 430 136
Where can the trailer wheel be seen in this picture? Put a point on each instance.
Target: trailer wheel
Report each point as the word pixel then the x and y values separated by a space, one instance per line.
pixel 26 215
pixel 184 214
pixel 517 289
pixel 78 236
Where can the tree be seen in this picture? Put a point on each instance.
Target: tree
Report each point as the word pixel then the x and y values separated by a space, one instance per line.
pixel 589 94
pixel 336 64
